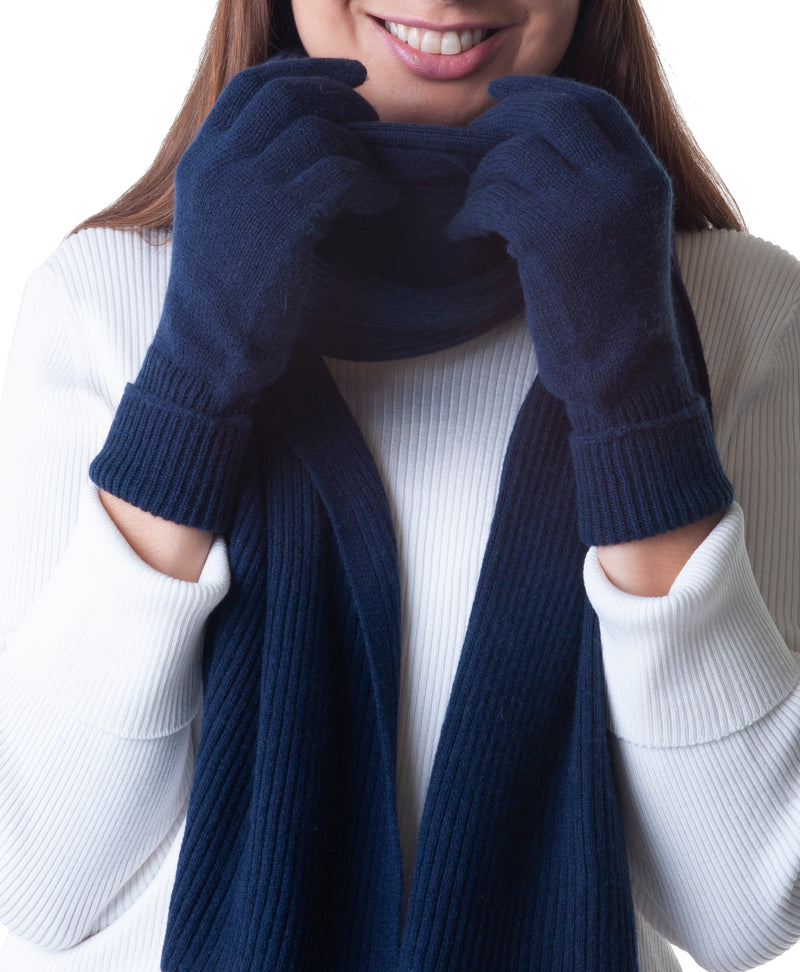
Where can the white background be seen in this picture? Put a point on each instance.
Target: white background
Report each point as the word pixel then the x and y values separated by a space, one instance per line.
pixel 89 89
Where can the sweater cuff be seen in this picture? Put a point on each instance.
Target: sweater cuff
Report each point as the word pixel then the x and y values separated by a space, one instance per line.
pixel 643 479
pixel 171 452
pixel 113 642
pixel 700 663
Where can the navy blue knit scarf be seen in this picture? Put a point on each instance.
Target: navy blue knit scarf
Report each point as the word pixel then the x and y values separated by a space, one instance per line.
pixel 291 859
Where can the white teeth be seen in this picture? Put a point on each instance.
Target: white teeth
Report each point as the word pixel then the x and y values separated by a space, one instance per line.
pixel 431 42
pixel 451 43
pixel 435 41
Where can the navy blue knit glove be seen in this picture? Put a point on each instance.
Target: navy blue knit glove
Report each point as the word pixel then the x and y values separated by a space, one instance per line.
pixel 586 209
pixel 272 165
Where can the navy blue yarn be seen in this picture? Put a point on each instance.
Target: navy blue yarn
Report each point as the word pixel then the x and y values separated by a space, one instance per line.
pixel 299 219
pixel 587 211
pixel 291 858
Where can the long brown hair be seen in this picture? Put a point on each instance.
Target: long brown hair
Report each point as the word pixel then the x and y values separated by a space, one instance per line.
pixel 612 48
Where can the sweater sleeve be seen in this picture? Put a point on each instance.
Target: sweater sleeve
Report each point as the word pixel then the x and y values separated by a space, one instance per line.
pixel 99 654
pixel 703 690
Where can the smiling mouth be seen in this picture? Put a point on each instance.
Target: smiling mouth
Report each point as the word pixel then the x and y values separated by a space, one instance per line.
pixel 447 42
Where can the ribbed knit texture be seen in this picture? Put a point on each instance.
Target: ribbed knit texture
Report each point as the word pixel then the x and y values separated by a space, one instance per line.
pixel 87 319
pixel 507 776
pixel 462 410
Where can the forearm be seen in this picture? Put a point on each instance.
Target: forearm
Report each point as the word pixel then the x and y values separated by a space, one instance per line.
pixel 712 837
pixel 98 686
pixel 649 567
pixel 703 699
pixel 80 813
pixel 170 548
pixel 100 671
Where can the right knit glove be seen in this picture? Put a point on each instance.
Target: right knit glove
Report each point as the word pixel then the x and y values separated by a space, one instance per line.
pixel 586 209
pixel 256 189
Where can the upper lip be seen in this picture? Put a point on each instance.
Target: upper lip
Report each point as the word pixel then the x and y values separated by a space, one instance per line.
pixel 441 28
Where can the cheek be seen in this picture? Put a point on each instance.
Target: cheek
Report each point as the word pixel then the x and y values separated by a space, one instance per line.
pixel 546 38
pixel 326 27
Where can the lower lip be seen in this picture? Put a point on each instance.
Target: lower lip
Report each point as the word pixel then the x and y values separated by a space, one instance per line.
pixel 441 67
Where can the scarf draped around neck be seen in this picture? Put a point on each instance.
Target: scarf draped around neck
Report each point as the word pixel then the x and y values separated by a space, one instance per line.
pixel 291 858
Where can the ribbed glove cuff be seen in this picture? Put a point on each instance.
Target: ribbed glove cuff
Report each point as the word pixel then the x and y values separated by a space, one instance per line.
pixel 169 452
pixel 639 480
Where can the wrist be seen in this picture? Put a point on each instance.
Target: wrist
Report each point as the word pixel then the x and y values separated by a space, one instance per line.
pixel 649 567
pixel 170 548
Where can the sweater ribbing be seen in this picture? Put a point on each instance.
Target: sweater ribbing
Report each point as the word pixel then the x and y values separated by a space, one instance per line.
pixel 714 347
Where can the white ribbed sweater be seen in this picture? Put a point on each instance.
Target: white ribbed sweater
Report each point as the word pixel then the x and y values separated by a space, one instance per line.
pixel 99 658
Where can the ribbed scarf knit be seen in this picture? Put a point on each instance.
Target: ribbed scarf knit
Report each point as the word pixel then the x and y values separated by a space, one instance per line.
pixel 291 857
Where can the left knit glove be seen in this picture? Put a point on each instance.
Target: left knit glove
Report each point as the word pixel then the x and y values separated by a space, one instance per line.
pixel 273 164
pixel 586 209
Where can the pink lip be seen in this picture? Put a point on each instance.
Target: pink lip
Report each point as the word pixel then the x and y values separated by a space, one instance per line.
pixel 441 67
pixel 426 25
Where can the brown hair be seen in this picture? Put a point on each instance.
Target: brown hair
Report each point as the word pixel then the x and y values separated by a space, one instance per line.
pixel 612 48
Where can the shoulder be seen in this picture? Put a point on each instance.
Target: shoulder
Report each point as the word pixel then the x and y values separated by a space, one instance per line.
pixel 109 285
pixel 744 271
pixel 107 270
pixel 746 297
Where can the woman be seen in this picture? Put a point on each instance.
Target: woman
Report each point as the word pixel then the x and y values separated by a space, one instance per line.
pixel 402 758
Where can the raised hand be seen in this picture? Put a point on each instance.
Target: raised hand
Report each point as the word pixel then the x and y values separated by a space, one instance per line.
pixel 586 209
pixel 272 165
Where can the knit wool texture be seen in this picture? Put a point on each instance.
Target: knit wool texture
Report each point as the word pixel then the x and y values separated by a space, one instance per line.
pixel 291 858
pixel 258 186
pixel 587 211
